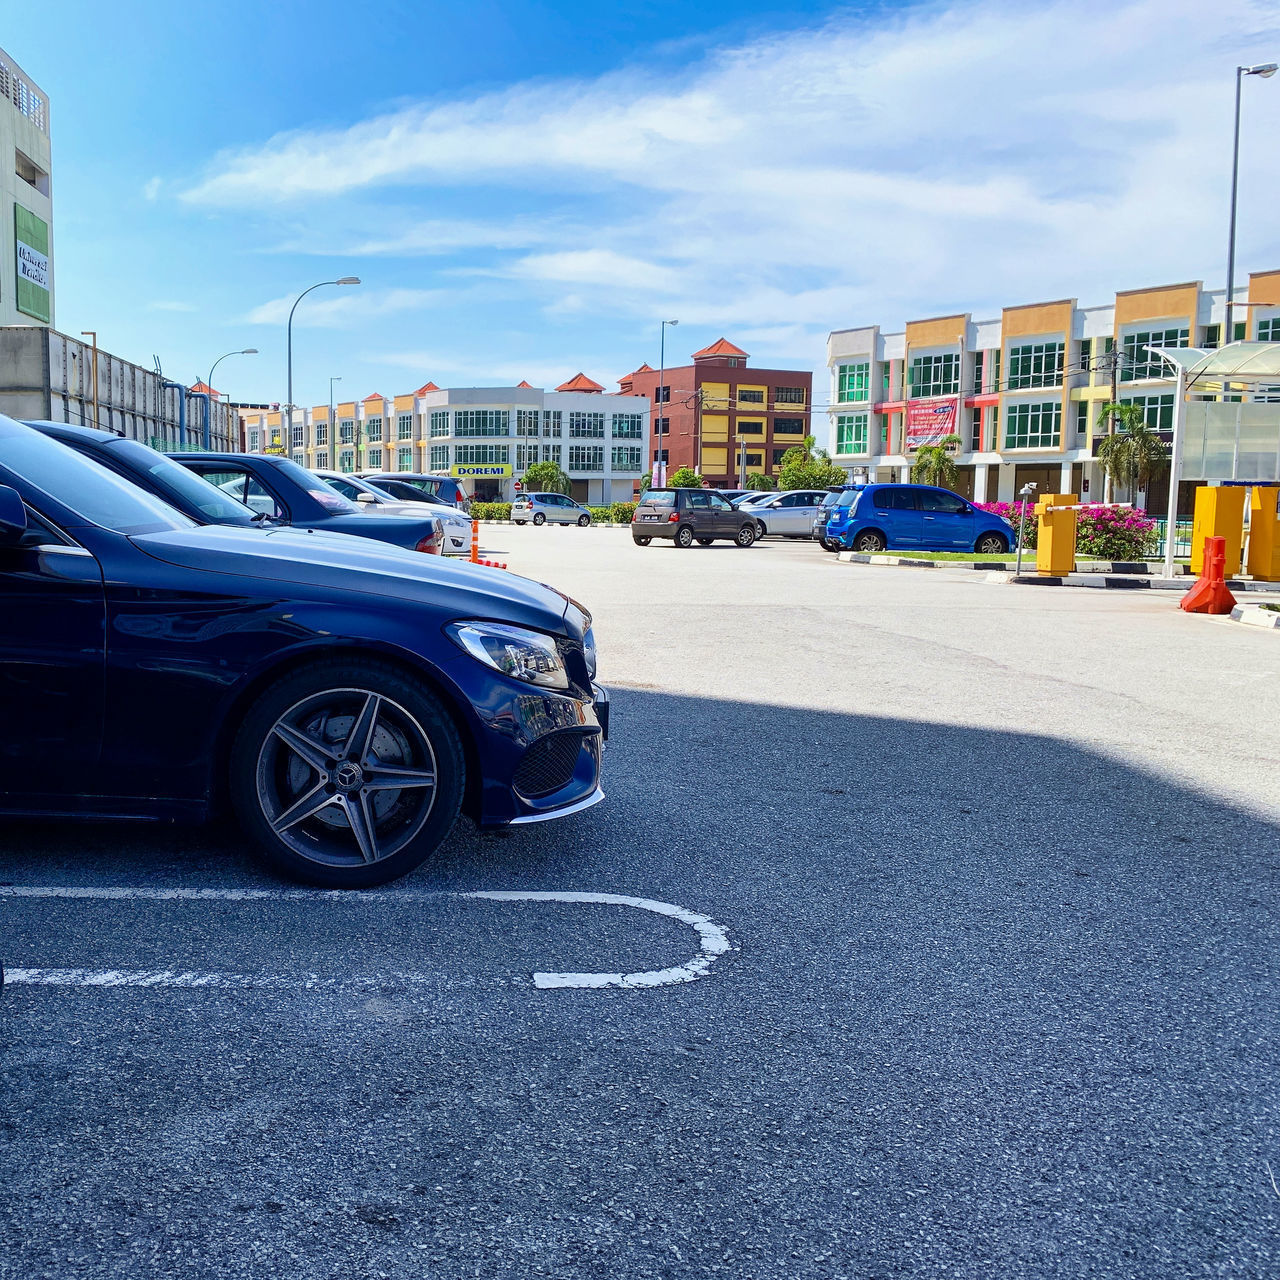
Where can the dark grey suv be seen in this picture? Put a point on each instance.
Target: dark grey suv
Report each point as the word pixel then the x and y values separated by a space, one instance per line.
pixel 686 516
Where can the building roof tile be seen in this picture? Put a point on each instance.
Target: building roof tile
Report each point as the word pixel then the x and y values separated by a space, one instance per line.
pixel 580 383
pixel 722 347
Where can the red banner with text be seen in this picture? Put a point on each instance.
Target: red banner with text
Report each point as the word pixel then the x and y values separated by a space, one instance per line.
pixel 929 421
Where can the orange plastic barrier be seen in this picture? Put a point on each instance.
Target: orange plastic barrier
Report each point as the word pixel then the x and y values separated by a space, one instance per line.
pixel 1210 594
pixel 475 542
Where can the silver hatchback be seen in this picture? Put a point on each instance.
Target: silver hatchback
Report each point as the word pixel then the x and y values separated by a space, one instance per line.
pixel 789 514
pixel 548 508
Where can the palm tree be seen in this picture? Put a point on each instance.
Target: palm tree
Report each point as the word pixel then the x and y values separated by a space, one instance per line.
pixel 1133 454
pixel 934 463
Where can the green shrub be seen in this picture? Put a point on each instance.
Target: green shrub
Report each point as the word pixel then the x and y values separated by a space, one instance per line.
pixel 491 511
pixel 623 511
pixel 601 515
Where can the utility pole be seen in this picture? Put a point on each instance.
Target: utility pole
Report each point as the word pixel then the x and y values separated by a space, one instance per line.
pixel 742 464
pixel 1114 364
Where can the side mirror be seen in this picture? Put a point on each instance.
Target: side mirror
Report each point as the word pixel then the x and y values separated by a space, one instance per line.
pixel 13 515
pixel 365 497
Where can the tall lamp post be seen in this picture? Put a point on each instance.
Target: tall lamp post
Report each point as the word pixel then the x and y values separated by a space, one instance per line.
pixel 1266 70
pixel 659 478
pixel 333 426
pixel 248 351
pixel 289 335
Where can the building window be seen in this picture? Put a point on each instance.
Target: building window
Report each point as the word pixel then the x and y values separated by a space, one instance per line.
pixel 526 422
pixel 851 433
pixel 373 428
pixel 854 381
pixel 551 424
pixel 300 459
pixel 660 455
pixel 1082 420
pixel 882 432
pixel 1238 329
pixel 439 456
pixel 975 428
pixel 662 395
pixel 1157 411
pixel 347 460
pixel 440 422
pixel 255 440
pixel 978 357
pixel 1034 426
pixel 788 426
pixel 322 433
pixel 404 458
pixel 1137 364
pixel 750 428
pixel 788 395
pixel 404 426
pixel 346 430
pixel 551 453
pixel 586 426
pixel 1086 354
pixel 1212 337
pixel 778 455
pixel 585 457
pixel 375 459
pixel 322 459
pixel 734 362
pixel 626 459
pixel 628 426
pixel 751 459
pixel 935 375
pixel 661 426
pixel 481 422
pixel 295 437
pixel 1036 364
pixel 1269 329
pixel 482 454
pixel 526 456
pixel 748 396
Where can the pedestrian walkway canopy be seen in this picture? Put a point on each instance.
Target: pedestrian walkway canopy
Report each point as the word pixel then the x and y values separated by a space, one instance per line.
pixel 1237 361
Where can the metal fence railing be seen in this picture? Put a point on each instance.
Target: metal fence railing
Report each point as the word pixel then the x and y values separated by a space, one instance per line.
pixel 1181 537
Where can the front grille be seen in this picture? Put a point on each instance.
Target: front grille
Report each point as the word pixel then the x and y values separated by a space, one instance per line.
pixel 548 765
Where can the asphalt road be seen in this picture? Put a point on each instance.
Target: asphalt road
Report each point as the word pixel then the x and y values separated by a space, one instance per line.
pixel 998 870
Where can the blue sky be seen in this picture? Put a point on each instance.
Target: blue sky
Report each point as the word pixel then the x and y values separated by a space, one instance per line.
pixel 527 190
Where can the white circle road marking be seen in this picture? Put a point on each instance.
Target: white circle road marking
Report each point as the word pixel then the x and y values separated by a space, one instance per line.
pixel 713 941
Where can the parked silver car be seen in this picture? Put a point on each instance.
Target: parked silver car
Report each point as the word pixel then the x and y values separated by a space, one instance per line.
pixel 788 515
pixel 548 508
pixel 457 527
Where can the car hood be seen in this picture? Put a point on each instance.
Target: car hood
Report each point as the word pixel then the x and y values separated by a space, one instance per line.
pixel 342 564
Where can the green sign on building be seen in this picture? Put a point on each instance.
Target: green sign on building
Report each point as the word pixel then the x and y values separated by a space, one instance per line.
pixel 31 236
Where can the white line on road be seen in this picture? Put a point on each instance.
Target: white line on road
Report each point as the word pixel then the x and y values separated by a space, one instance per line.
pixel 713 941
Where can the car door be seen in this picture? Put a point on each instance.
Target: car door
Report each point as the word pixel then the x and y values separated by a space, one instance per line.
pixel 804 512
pixel 946 521
pixel 566 510
pixel 722 516
pixel 896 513
pixel 52 666
pixel 795 514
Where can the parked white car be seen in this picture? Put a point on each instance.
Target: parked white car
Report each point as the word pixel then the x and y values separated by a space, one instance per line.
pixel 368 497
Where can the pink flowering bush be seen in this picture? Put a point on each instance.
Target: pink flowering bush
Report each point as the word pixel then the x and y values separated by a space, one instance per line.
pixel 1102 533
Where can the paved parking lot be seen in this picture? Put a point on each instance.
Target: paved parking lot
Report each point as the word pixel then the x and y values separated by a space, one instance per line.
pixel 957 907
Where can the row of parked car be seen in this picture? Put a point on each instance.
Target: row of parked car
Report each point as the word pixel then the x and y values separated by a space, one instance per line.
pixel 191 632
pixel 862 517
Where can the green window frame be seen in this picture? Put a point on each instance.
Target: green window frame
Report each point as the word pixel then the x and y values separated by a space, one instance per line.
pixel 1136 364
pixel 551 423
pixel 852 433
pixel 481 422
pixel 1269 329
pixel 854 381
pixel 627 458
pixel 628 426
pixel 346 430
pixel 440 422
pixel 1082 420
pixel 439 457
pixel 322 433
pixel 404 426
pixel 375 459
pixel 373 429
pixel 404 458
pixel 1157 411
pixel 347 460
pixel 935 375
pixel 788 426
pixel 1036 364
pixel 1035 424
pixel 526 422
pixel 586 457
pixel 586 426
pixel 474 455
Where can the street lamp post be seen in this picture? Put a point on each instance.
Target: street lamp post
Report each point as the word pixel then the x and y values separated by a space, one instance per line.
pixel 289 336
pixel 247 351
pixel 333 426
pixel 659 477
pixel 1266 70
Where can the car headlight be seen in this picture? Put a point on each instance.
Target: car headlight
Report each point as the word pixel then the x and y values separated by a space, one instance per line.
pixel 514 651
pixel 589 651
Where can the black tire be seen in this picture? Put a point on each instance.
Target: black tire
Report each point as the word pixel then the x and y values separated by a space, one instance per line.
pixel 517 522
pixel 642 542
pixel 403 730
pixel 684 536
pixel 870 543
pixel 583 521
pixel 761 531
pixel 705 542
pixel 991 544
pixel 539 518
pixel 829 544
pixel 746 535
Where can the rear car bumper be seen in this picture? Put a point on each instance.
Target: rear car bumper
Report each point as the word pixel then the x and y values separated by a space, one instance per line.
pixel 658 529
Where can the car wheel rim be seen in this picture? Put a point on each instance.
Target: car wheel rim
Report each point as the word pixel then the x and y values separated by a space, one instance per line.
pixel 346 777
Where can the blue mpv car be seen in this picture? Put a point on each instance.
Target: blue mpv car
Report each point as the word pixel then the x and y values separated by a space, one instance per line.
pixel 880 517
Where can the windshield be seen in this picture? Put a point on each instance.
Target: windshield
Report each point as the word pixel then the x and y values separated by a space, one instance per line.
pixel 323 492
pixel 86 487
pixel 195 492
pixel 847 498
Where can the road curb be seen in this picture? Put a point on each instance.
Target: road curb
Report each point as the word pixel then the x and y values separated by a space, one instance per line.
pixel 1129 568
pixel 1254 615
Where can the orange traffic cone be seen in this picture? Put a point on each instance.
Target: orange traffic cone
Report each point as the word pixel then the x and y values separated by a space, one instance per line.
pixel 1210 594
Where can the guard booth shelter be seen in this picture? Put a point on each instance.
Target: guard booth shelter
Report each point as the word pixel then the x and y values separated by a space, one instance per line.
pixel 1226 432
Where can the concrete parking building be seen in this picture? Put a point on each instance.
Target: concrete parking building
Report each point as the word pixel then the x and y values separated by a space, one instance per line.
pixel 26 188
pixel 1023 390
pixel 600 441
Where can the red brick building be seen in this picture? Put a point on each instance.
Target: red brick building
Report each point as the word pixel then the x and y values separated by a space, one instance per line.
pixel 722 417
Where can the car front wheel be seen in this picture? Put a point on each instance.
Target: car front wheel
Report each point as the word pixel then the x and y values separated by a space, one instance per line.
pixel 684 536
pixel 746 535
pixel 991 544
pixel 539 518
pixel 869 542
pixel 347 775
pixel 583 521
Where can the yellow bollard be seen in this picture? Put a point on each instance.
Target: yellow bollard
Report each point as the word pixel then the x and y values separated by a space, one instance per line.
pixel 1264 533
pixel 1219 514
pixel 475 542
pixel 1056 540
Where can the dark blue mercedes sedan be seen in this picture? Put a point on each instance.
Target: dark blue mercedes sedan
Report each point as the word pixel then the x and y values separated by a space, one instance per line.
pixel 347 700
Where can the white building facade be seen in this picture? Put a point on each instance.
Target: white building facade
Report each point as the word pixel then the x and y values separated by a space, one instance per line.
pixel 1024 392
pixel 600 441
pixel 26 196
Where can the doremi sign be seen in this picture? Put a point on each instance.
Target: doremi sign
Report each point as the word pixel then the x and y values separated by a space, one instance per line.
pixel 31 237
pixel 480 471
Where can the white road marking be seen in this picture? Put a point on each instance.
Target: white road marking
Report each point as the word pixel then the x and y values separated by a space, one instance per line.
pixel 713 941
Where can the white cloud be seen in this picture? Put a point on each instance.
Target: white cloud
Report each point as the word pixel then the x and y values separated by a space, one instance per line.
pixel 151 188
pixel 172 306
pixel 880 165
pixel 345 306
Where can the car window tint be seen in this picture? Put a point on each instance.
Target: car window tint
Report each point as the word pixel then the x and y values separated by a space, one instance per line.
pixel 945 503
pixel 174 480
pixel 846 499
pixel 229 481
pixel 659 499
pixel 896 500
pixel 719 503
pixel 700 501
pixel 260 498
pixel 345 488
